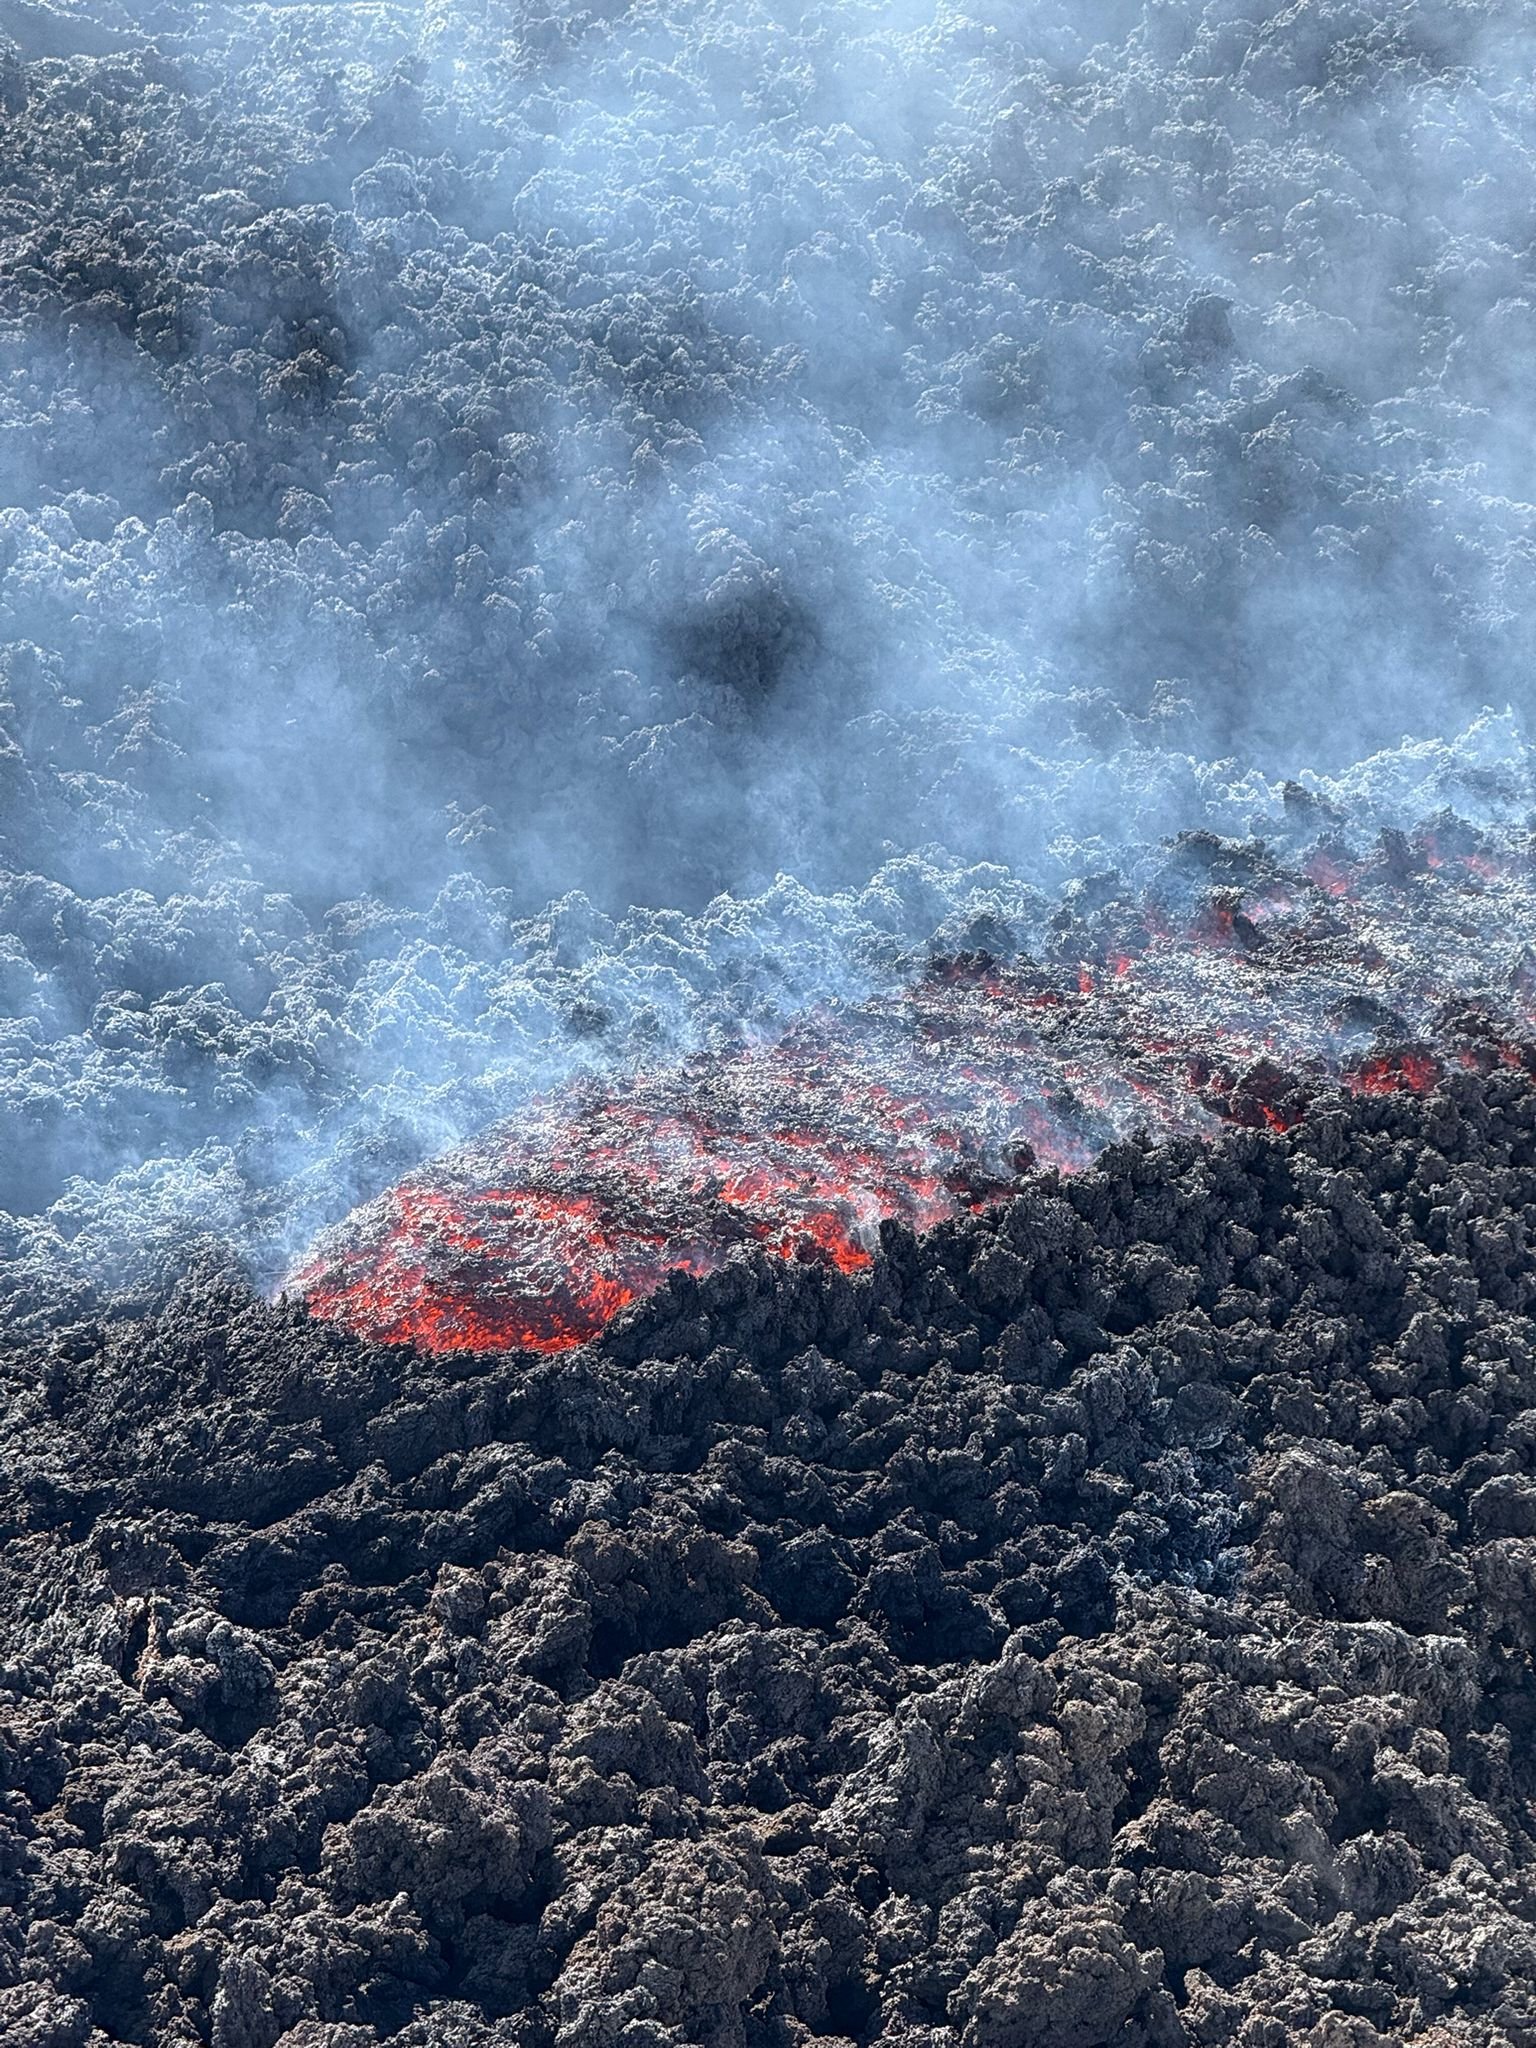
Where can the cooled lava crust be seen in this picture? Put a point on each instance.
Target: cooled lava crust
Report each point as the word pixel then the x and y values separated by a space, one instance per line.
pixel 1231 989
pixel 1105 1619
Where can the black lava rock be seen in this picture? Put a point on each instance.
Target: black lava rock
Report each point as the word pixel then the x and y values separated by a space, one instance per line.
pixel 1107 1621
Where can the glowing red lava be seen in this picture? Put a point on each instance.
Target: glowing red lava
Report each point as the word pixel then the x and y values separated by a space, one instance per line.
pixel 1193 1006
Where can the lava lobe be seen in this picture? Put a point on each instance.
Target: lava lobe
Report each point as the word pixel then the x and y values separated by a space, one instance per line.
pixel 1233 990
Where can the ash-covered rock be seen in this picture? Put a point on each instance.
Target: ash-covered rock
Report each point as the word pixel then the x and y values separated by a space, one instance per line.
pixel 1108 1620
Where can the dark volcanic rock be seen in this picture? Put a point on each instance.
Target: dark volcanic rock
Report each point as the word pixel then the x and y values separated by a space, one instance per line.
pixel 1108 1621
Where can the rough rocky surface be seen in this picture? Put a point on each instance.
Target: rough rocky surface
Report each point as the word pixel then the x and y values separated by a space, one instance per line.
pixel 844 474
pixel 1107 1622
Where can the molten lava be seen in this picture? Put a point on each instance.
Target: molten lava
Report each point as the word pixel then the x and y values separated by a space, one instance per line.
pixel 1233 991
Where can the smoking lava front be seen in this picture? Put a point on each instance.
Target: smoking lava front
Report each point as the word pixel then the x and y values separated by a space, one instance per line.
pixel 1234 989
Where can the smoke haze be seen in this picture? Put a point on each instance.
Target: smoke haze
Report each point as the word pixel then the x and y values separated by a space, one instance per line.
pixel 531 536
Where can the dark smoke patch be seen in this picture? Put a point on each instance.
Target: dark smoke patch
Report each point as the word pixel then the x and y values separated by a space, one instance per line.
pixel 747 635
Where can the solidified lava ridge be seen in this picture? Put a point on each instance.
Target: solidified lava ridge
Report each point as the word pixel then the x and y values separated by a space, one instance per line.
pixel 1234 990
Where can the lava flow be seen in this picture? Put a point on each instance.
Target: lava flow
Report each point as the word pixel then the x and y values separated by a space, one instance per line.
pixel 1231 989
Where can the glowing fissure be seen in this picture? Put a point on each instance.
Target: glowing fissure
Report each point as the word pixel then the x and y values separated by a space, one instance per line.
pixel 1235 1004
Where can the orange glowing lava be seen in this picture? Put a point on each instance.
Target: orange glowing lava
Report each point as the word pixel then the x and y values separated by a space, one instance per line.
pixel 1195 1006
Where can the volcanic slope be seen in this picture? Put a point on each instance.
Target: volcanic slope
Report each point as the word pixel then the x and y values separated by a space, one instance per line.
pixel 1105 1620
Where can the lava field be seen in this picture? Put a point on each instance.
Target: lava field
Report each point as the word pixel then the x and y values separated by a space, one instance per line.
pixel 767 1024
pixel 1104 1619
pixel 1234 990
